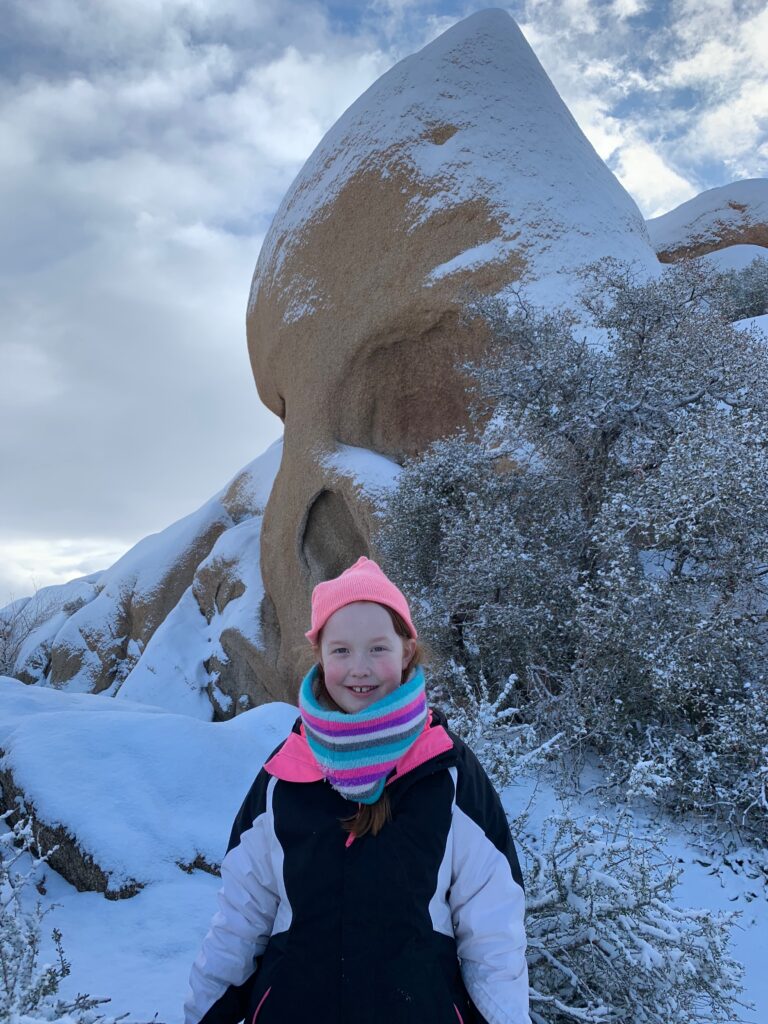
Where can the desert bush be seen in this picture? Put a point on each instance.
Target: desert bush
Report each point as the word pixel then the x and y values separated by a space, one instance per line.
pixel 602 535
pixel 606 939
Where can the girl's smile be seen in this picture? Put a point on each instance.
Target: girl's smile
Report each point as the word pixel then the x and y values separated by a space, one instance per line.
pixel 362 656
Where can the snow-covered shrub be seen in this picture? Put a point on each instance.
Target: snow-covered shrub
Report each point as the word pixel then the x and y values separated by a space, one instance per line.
pixel 606 942
pixel 484 548
pixel 505 745
pixel 18 620
pixel 28 988
pixel 744 293
pixel 603 536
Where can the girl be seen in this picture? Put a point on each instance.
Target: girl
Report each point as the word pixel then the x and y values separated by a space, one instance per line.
pixel 370 875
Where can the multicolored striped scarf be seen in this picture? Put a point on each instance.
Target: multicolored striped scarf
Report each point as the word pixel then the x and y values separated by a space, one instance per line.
pixel 356 752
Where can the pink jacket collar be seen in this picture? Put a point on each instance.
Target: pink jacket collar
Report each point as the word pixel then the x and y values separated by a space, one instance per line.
pixel 295 762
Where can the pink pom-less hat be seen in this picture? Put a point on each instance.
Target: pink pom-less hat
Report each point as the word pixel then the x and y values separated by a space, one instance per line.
pixel 363 581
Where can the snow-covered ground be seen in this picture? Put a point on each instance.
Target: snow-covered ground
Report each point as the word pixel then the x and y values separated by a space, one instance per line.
pixel 145 789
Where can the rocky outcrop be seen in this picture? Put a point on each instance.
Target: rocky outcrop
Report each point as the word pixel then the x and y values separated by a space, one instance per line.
pixel 735 214
pixel 97 645
pixel 175 622
pixel 461 168
pixel 60 846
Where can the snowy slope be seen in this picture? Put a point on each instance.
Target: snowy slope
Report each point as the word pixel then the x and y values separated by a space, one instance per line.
pixel 730 215
pixel 86 622
pixel 510 139
pixel 142 790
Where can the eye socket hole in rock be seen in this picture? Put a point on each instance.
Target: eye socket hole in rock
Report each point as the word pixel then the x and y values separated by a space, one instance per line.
pixel 331 540
pixel 405 389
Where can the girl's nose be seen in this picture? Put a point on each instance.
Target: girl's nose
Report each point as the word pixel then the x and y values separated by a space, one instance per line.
pixel 360 666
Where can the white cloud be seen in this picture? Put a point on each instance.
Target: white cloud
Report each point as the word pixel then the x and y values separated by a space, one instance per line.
pixel 29 563
pixel 137 187
pixel 629 8
pixel 655 186
pixel 730 74
pixel 685 88
pixel 735 130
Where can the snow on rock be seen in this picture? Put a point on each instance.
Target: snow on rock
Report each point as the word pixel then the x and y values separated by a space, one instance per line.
pixel 735 214
pixel 172 673
pixel 185 660
pixel 373 473
pixel 130 792
pixel 162 611
pixel 91 650
pixel 33 623
pixel 471 118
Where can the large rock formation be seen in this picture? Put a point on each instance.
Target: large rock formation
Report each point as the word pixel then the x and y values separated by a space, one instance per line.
pixel 460 168
pixel 735 214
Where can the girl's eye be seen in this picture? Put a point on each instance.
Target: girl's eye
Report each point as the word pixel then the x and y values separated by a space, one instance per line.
pixel 339 650
pixel 379 648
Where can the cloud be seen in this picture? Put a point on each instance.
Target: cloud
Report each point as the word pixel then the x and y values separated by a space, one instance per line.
pixel 29 563
pixel 729 78
pixel 144 150
pixel 654 185
pixel 674 89
pixel 629 8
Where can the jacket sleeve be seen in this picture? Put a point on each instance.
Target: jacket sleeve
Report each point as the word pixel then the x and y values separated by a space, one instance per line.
pixel 221 977
pixel 486 899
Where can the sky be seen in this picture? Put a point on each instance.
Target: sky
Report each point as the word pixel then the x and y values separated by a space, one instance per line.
pixel 145 146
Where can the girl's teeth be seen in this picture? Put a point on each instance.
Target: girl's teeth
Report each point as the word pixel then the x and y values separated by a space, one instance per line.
pixel 362 689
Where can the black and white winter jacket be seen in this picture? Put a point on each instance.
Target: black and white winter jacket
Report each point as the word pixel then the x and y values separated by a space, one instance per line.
pixel 421 924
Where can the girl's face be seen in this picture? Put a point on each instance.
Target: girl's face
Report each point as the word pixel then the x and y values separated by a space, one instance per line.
pixel 362 656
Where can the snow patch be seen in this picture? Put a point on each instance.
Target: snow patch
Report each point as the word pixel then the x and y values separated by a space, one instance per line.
pixel 372 472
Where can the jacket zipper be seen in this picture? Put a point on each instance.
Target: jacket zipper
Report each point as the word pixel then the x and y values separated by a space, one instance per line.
pixel 263 1000
pixel 461 1019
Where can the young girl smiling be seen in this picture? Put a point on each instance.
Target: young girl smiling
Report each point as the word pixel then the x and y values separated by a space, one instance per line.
pixel 370 875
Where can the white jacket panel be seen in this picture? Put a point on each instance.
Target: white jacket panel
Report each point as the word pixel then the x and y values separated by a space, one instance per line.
pixel 248 903
pixel 487 907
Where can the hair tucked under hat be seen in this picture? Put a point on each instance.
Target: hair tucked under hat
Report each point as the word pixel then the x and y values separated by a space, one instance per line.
pixel 363 581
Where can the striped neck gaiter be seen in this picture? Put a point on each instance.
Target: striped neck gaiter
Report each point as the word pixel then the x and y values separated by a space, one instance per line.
pixel 357 752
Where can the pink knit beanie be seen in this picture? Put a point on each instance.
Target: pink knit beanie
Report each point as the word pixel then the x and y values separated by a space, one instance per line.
pixel 363 581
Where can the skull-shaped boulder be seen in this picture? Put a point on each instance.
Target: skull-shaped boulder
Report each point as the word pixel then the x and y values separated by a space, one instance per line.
pixel 459 168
